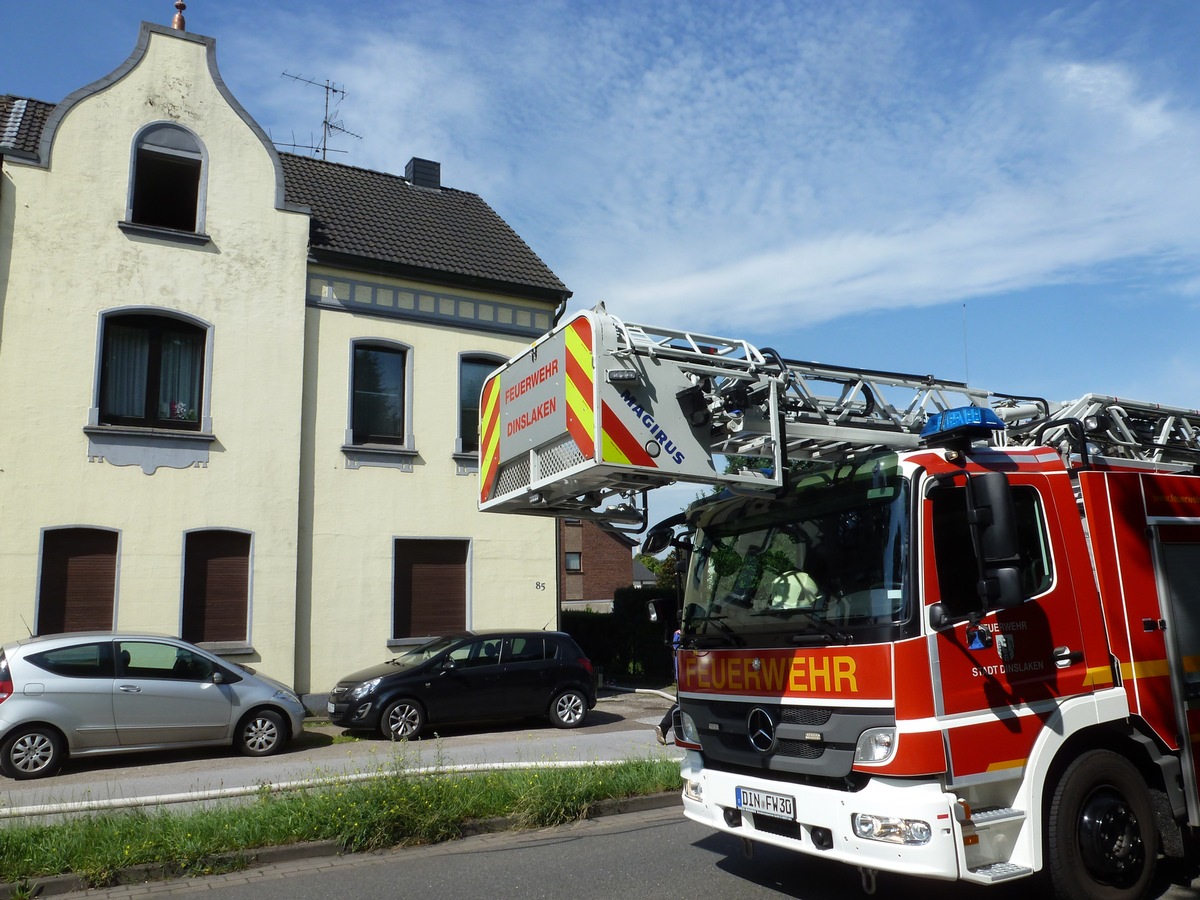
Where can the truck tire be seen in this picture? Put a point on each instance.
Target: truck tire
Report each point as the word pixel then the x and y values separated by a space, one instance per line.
pixel 1101 837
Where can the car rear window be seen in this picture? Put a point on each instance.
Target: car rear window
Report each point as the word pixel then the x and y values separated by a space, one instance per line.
pixel 77 661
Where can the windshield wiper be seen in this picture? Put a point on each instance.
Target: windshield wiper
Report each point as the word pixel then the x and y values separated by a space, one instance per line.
pixel 727 637
pixel 824 634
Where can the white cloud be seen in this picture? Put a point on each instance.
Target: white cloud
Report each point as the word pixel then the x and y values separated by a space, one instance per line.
pixel 780 165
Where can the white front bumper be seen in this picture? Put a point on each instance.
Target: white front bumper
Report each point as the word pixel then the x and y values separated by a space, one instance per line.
pixel 832 810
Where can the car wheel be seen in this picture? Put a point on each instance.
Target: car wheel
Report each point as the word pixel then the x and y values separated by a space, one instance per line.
pixel 569 709
pixel 261 733
pixel 33 751
pixel 402 720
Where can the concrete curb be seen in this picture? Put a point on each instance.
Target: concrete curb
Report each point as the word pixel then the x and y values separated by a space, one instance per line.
pixel 60 885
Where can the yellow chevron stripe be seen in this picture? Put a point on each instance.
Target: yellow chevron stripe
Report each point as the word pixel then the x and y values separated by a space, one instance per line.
pixel 581 405
pixel 612 453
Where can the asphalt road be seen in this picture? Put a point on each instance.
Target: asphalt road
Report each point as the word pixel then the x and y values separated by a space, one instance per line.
pixel 620 727
pixel 647 854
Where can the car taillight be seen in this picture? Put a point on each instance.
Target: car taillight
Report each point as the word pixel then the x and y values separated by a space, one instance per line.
pixel 6 689
pixel 583 661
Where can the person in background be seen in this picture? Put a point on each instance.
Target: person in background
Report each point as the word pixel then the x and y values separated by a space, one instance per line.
pixel 665 728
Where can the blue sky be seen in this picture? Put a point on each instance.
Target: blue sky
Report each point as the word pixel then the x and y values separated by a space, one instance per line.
pixel 1003 192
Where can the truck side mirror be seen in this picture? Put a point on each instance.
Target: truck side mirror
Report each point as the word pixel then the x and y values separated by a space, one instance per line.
pixel 993 520
pixel 657 540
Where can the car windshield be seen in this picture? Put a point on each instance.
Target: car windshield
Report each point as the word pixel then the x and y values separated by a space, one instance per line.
pixel 419 653
pixel 825 564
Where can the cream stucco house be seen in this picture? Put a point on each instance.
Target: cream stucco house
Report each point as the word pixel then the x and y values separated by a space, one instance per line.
pixel 240 384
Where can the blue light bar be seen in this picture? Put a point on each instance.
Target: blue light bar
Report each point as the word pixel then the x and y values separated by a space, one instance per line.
pixel 960 423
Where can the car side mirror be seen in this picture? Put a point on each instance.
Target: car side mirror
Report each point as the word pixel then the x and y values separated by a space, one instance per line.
pixel 218 677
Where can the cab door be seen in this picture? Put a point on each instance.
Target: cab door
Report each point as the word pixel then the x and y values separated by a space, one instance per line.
pixel 1018 664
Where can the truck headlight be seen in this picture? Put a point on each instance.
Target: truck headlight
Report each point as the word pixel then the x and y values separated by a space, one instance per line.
pixel 690 737
pixel 875 745
pixel 890 829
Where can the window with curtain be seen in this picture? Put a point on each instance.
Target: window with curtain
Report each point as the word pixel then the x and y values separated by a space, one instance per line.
pixel 152 372
pixel 472 373
pixel 379 408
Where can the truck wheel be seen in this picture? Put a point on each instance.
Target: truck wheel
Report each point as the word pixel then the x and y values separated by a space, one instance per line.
pixel 1101 839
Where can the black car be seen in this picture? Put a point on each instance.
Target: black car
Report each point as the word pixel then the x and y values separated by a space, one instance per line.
pixel 469 676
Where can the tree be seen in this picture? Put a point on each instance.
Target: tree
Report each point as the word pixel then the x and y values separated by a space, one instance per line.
pixel 663 569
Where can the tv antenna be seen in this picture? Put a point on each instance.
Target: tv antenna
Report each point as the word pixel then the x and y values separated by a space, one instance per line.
pixel 330 124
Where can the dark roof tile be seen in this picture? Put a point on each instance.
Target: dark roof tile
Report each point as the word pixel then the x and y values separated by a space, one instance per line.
pixel 21 123
pixel 385 218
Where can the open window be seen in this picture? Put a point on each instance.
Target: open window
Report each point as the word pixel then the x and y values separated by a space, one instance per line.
pixel 167 182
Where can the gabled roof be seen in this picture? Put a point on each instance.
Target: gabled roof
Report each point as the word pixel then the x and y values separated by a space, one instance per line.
pixel 21 123
pixel 371 220
pixel 424 232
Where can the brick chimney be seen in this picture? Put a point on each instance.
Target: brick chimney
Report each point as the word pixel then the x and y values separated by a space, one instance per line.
pixel 424 172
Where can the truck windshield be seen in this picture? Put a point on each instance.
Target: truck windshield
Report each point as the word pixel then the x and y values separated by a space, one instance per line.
pixel 826 564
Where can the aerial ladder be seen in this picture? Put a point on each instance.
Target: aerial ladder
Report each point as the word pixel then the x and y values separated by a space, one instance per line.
pixel 598 411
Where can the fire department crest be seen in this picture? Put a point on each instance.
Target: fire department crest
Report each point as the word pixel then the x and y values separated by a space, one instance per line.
pixel 1004 647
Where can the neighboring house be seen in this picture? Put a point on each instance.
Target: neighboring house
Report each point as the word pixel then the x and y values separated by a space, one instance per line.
pixel 595 563
pixel 642 576
pixel 241 386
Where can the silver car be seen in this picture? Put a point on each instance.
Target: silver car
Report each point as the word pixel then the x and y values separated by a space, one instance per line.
pixel 88 693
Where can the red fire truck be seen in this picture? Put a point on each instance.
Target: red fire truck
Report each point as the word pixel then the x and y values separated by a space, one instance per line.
pixel 934 630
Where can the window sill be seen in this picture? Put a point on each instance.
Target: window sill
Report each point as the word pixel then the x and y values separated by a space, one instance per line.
pixel 466 463
pixel 150 448
pixel 379 455
pixel 227 648
pixel 405 643
pixel 177 235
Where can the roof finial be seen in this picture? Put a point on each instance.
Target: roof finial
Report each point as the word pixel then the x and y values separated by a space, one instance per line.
pixel 178 24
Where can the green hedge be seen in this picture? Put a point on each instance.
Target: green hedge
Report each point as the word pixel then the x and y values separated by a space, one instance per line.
pixel 625 644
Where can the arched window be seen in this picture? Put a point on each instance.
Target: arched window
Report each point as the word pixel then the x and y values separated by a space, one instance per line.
pixel 167 179
pixel 152 372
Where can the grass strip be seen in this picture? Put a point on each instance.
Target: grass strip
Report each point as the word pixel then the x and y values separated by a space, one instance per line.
pixel 397 809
